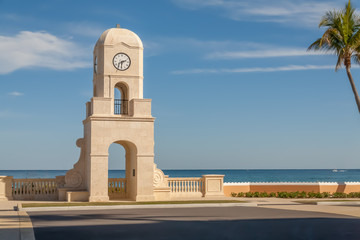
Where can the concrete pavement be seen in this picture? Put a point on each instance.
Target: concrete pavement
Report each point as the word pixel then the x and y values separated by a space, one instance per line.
pixel 273 217
pixel 194 223
pixel 14 225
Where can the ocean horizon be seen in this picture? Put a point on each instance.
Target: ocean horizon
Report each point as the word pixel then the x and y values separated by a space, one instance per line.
pixel 231 175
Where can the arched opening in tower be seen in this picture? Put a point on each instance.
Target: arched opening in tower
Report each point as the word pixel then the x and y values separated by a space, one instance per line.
pixel 120 99
pixel 116 171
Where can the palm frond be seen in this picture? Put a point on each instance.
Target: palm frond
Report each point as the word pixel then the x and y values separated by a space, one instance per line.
pixel 339 61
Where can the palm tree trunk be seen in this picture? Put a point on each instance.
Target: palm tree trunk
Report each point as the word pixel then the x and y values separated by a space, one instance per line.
pixel 356 95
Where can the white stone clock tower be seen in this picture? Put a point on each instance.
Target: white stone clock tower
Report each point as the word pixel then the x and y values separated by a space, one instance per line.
pixel 118 64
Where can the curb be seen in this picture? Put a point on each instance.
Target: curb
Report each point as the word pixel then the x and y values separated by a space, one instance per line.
pixel 71 208
pixel 338 203
pixel 25 226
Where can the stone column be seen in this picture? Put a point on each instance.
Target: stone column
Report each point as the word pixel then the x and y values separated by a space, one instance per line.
pixel 145 178
pixel 6 188
pixel 98 185
pixel 213 185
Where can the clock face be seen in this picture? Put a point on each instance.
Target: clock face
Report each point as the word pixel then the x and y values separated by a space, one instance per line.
pixel 121 61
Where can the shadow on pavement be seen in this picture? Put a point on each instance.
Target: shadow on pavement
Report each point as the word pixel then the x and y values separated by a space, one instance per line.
pixel 298 228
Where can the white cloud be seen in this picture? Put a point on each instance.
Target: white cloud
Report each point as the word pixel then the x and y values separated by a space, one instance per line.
pixel 304 13
pixel 256 69
pixel 16 94
pixel 226 49
pixel 40 49
pixel 274 52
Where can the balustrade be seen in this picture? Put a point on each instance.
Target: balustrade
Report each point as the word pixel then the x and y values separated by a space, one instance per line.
pixel 35 189
pixel 117 188
pixel 186 185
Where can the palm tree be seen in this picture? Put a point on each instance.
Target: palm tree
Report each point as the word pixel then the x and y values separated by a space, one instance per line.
pixel 342 38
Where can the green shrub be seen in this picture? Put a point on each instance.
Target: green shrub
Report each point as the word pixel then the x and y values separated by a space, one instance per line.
pixel 282 194
pixel 301 194
pixel 256 194
pixel 249 194
pixel 264 194
pixel 297 194
pixel 311 195
pixel 241 194
pixel 353 195
pixel 339 195
pixel 272 194
pixel 326 194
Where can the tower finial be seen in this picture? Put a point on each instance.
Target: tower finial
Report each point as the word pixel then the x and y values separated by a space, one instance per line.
pixel 117 25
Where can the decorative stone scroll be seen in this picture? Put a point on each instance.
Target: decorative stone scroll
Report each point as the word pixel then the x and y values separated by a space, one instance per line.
pixel 73 179
pixel 160 179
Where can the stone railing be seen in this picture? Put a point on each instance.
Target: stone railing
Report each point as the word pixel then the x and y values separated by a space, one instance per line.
pixel 186 185
pixel 117 188
pixel 35 189
pixel 166 188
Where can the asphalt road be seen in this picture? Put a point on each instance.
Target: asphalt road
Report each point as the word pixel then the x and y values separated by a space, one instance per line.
pixel 193 223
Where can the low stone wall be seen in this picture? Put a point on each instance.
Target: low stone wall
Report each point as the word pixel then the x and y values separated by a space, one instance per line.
pixel 331 187
pixel 187 187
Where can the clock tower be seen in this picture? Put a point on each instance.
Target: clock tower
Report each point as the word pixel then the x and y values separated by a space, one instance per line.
pixel 124 119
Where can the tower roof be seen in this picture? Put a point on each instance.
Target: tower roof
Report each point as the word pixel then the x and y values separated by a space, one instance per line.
pixel 114 36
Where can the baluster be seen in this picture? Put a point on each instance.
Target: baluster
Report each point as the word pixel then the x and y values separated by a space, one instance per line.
pixel 27 188
pixel 21 187
pixel 15 188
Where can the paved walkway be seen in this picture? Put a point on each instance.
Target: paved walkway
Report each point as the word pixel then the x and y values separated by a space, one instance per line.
pixel 194 223
pixel 14 225
pixel 275 217
pixel 292 204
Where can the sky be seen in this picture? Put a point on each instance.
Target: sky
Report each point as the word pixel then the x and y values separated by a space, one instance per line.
pixel 231 83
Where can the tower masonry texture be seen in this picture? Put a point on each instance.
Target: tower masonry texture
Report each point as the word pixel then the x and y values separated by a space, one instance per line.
pixel 118 66
pixel 118 113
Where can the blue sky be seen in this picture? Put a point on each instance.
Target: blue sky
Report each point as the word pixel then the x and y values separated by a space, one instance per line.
pixel 231 82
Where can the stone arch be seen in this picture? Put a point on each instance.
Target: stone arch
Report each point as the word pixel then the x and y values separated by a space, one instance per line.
pixel 121 102
pixel 130 170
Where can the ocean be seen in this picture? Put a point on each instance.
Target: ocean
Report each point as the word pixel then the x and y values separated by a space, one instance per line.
pixel 231 175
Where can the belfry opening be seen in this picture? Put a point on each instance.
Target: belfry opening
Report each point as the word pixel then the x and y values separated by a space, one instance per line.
pixel 121 99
